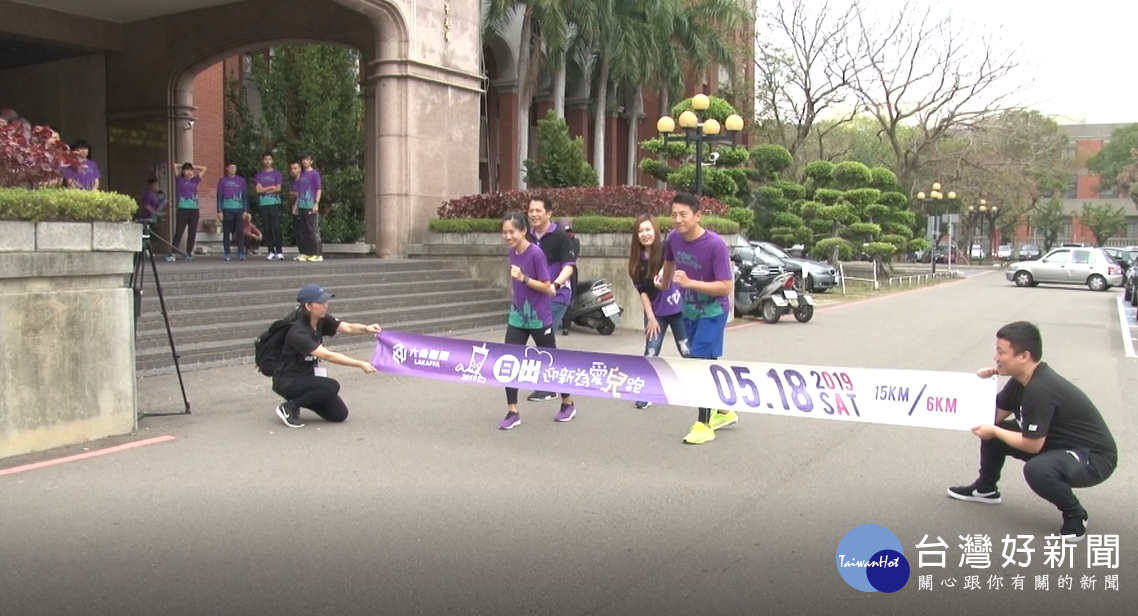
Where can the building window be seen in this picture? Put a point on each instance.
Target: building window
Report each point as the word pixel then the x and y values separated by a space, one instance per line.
pixel 1132 227
pixel 1107 192
pixel 1072 190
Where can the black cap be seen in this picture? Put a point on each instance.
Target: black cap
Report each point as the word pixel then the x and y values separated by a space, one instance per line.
pixel 313 294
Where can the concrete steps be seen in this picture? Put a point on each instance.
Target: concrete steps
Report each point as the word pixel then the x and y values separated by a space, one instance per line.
pixel 217 308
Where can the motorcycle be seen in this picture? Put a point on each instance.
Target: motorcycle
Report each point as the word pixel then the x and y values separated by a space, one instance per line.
pixel 594 306
pixel 778 296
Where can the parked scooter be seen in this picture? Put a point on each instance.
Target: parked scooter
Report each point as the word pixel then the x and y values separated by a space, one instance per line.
pixel 776 298
pixel 594 306
pixel 781 297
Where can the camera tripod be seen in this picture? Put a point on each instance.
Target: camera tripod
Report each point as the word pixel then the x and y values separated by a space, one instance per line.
pixel 140 258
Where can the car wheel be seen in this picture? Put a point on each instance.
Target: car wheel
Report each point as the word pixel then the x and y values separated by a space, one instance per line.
pixel 1097 283
pixel 1023 279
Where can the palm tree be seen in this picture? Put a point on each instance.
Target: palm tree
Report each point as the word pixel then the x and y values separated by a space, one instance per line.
pixel 544 32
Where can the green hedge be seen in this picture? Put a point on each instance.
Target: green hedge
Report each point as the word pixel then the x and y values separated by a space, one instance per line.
pixel 581 225
pixel 65 205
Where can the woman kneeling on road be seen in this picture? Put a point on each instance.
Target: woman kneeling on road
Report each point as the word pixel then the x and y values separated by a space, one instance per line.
pixel 300 379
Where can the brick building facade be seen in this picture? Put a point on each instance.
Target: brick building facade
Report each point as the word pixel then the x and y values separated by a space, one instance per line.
pixel 1086 140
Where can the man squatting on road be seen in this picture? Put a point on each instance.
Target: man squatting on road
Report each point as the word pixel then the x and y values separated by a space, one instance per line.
pixel 1056 429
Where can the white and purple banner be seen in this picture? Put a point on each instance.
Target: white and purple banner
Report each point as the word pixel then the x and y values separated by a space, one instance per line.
pixel 917 398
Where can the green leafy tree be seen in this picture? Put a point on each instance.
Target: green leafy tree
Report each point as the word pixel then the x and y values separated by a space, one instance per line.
pixel 310 103
pixel 1104 221
pixel 1048 216
pixel 562 158
pixel 1113 159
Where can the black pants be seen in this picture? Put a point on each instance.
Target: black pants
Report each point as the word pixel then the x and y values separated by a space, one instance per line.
pixel 311 222
pixel 318 394
pixel 186 221
pixel 542 338
pixel 1050 473
pixel 233 227
pixel 271 218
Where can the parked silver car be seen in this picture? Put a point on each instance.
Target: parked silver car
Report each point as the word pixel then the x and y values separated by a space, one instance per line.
pixel 1089 266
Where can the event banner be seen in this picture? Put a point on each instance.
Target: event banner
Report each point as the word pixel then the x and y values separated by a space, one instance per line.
pixel 918 398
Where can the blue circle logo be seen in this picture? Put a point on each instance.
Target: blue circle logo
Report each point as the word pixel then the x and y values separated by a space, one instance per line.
pixel 871 559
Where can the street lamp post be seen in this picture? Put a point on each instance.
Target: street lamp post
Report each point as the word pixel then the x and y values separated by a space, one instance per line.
pixel 931 202
pixel 699 130
pixel 987 214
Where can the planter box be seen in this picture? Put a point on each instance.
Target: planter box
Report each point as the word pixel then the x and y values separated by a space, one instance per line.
pixel 67 333
pixel 603 255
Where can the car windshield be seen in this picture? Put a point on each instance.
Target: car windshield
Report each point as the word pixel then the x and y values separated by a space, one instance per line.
pixel 775 250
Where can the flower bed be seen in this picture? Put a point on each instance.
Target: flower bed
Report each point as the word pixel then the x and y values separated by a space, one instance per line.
pixel 601 201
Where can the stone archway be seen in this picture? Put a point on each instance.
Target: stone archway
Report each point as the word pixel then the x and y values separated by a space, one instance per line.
pixel 421 100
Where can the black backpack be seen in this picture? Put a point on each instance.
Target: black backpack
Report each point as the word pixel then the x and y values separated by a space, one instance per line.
pixel 267 347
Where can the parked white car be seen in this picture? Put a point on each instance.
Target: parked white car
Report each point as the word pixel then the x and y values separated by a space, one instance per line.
pixel 977 252
pixel 1004 252
pixel 1089 266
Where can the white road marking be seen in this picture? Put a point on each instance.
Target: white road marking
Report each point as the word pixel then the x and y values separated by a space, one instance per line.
pixel 1124 326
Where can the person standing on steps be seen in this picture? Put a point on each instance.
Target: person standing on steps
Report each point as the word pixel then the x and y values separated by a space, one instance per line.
pixel 697 261
pixel 299 378
pixel 309 204
pixel 1045 420
pixel 188 207
pixel 268 183
pixel 663 309
pixel 87 175
pixel 530 311
pixel 561 261
pixel 299 230
pixel 232 203
pixel 151 203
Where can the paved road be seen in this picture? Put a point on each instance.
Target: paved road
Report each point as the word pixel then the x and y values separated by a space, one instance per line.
pixel 418 505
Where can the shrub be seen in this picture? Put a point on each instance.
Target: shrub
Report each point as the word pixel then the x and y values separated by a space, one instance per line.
pixel 65 205
pixel 619 201
pixel 562 158
pixel 771 160
pixel 581 225
pixel 852 174
pixel 32 156
pixel 744 216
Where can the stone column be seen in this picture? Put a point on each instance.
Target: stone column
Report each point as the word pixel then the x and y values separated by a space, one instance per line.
pixel 577 116
pixel 509 150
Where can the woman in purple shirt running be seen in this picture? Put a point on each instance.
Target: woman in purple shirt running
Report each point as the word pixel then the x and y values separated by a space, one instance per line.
pixel 531 315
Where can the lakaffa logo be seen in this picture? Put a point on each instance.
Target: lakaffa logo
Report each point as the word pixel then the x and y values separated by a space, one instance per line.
pixel 871 559
pixel 399 353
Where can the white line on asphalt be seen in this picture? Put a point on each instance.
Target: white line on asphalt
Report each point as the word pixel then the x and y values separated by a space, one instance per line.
pixel 1127 341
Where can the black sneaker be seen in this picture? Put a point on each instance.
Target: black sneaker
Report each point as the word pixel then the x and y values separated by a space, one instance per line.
pixel 975 494
pixel 289 415
pixel 1074 527
pixel 541 396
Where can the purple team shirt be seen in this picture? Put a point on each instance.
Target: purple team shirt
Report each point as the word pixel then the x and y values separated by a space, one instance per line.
pixel 667 302
pixel 530 309
pixel 271 177
pixel 705 259
pixel 186 190
pixel 85 175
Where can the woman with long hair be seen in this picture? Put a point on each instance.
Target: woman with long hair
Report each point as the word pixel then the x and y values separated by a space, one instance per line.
pixel 662 308
pixel 531 314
